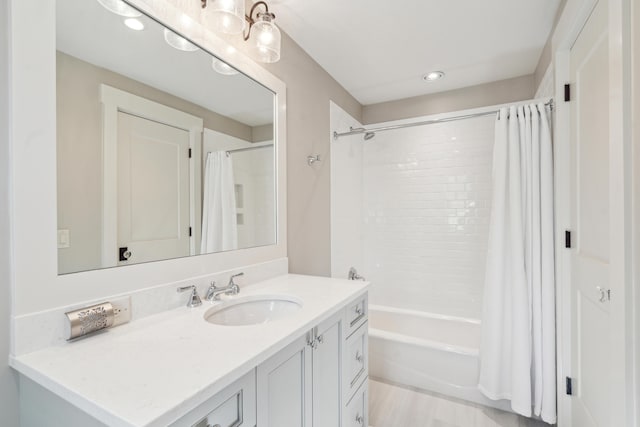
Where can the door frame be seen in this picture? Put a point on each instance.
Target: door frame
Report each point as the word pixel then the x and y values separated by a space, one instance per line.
pixel 114 101
pixel 622 328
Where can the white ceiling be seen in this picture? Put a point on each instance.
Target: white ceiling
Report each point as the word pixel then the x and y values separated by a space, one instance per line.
pixel 378 50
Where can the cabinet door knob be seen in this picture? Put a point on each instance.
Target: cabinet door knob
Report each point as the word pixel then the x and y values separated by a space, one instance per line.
pixel 359 311
pixel 320 338
pixel 358 357
pixel 359 419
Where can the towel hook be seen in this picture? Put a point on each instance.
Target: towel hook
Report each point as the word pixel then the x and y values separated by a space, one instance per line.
pixel 312 159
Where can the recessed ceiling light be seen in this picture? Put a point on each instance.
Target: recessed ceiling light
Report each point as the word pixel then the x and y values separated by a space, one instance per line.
pixel 120 8
pixel 134 24
pixel 433 76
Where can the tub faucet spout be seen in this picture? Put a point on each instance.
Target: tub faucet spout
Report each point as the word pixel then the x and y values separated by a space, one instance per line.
pixel 353 274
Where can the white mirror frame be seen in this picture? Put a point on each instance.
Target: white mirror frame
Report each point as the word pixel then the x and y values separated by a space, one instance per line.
pixel 36 283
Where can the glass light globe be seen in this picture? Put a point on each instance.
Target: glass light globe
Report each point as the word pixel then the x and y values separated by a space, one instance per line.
pixel 178 42
pixel 223 68
pixel 265 39
pixel 226 16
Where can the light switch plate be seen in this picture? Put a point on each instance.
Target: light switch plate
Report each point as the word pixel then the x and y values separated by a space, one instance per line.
pixel 63 239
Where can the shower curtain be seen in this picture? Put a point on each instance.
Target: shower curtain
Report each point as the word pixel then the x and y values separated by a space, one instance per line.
pixel 219 226
pixel 517 351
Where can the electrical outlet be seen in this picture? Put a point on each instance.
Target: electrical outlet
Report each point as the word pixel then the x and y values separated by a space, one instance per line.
pixel 121 310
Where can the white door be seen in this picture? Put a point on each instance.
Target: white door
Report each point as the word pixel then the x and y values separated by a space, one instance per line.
pixel 327 359
pixel 590 204
pixel 153 190
pixel 284 387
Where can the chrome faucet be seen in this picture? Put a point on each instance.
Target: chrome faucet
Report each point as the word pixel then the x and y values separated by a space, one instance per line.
pixel 353 274
pixel 232 288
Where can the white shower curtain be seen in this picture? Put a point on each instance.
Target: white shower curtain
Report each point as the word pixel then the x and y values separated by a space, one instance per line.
pixel 219 226
pixel 517 352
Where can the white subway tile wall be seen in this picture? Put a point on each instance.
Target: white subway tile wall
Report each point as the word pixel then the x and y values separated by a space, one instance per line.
pixel 427 196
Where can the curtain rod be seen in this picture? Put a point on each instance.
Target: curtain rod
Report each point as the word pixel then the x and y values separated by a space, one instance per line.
pixel 337 135
pixel 237 150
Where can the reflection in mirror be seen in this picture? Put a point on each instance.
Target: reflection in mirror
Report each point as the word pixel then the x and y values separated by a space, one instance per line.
pixel 159 155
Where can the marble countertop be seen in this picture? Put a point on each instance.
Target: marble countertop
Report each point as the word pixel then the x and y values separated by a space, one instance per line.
pixel 154 370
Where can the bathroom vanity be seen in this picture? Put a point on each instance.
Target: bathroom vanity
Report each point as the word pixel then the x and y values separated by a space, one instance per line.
pixel 307 368
pixel 169 366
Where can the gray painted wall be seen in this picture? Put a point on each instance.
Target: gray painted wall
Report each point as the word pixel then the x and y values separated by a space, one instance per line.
pixel 500 92
pixel 309 90
pixel 8 380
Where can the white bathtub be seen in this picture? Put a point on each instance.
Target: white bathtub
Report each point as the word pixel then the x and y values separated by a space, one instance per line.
pixel 427 351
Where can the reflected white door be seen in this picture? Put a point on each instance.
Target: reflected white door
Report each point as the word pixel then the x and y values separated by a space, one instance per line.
pixel 153 189
pixel 590 205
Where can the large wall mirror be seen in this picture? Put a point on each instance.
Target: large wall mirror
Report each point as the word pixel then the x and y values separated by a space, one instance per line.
pixel 163 150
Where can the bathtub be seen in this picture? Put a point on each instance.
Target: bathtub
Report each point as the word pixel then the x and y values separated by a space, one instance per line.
pixel 427 351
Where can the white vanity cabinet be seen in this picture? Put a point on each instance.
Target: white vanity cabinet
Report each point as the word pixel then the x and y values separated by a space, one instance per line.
pixel 284 386
pixel 320 380
pixel 307 377
pixel 300 385
pixel 234 406
pixel 355 364
pixel 327 363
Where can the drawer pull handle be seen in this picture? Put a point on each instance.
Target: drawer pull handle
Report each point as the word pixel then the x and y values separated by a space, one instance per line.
pixel 358 357
pixel 359 315
pixel 359 419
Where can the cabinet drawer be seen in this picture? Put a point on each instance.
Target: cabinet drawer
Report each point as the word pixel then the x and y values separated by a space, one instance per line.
pixel 355 362
pixel 228 414
pixel 356 314
pixel 234 406
pixel 357 411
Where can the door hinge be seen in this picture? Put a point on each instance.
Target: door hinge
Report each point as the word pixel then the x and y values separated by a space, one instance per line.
pixel 567 239
pixel 569 386
pixel 567 92
pixel 190 231
pixel 189 152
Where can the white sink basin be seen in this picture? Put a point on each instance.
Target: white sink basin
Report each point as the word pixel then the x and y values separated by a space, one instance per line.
pixel 253 310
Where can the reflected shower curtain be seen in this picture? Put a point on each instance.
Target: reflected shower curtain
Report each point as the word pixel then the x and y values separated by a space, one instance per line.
pixel 517 352
pixel 219 227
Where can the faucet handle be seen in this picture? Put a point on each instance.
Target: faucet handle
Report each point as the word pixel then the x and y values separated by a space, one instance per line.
pixel 194 299
pixel 236 275
pixel 234 288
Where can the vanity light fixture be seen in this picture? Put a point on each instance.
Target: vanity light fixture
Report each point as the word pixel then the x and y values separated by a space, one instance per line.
pixel 223 68
pixel 265 39
pixel 178 42
pixel 134 24
pixel 433 76
pixel 120 8
pixel 226 16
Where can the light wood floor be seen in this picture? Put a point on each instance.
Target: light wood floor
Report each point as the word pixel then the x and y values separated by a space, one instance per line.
pixel 393 406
